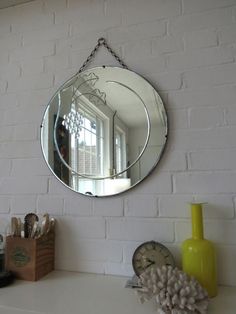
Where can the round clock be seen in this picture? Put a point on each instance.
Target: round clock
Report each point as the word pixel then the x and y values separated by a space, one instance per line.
pixel 150 254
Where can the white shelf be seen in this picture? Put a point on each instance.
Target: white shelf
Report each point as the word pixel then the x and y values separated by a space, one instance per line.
pixel 63 292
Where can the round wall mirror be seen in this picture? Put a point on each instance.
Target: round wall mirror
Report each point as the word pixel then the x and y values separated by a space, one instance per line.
pixel 104 131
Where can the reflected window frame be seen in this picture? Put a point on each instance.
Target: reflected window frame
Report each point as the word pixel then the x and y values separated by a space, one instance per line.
pixel 76 149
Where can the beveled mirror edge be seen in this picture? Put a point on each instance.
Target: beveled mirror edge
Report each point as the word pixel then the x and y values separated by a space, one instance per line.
pixel 155 165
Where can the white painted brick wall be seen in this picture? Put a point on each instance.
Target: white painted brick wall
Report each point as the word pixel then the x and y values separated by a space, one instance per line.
pixel 108 207
pixel 30 82
pixel 25 132
pixel 3 86
pixel 205 183
pixel 206 117
pixel 24 18
pixel 20 149
pixel 28 99
pixel 136 11
pixel 219 75
pixel 191 6
pixel 217 206
pixel 23 185
pixel 59 61
pixel 167 80
pixel 92 250
pixel 53 33
pixel 167 44
pixel 81 228
pixel 9 71
pixel 200 58
pixel 54 5
pixel 31 66
pixel 137 31
pixel 4 204
pixel 222 159
pixel 200 39
pixel 174 161
pixel 222 137
pixel 178 118
pixel 7 101
pixel 55 187
pixel 141 206
pixel 16 116
pixel 6 133
pixel 75 207
pixel 5 167
pixel 36 50
pixel 185 48
pixel 222 95
pixel 138 230
pixel 52 204
pixel 206 19
pixel 5 26
pixel 227 34
pixel 151 64
pixel 21 204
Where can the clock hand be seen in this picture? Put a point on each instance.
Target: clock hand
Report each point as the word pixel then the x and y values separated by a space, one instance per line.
pixel 149 260
pixel 151 263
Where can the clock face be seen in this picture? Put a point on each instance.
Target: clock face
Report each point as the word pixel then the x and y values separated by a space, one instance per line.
pixel 151 254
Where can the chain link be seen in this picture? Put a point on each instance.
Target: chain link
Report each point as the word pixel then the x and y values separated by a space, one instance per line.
pixel 101 42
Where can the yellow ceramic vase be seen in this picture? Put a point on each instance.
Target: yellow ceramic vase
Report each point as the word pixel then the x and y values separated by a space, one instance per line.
pixel 198 254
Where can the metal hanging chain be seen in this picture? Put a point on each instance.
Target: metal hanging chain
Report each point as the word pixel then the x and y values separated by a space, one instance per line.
pixel 102 42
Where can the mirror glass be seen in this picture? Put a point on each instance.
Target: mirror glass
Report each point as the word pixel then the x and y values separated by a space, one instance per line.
pixel 104 131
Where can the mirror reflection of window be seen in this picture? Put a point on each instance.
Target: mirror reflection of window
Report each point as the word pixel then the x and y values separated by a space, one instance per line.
pixel 87 150
pixel 89 146
pixel 120 150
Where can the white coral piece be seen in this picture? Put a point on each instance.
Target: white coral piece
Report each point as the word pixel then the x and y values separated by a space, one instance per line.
pixel 175 292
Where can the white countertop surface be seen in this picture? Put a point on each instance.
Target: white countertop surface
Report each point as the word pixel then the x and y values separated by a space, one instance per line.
pixel 63 292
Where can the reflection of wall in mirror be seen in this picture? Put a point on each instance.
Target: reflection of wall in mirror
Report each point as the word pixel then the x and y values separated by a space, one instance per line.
pixel 137 138
pixel 51 117
pixel 63 145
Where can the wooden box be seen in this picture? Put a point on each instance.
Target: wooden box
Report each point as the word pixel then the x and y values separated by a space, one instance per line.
pixel 30 259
